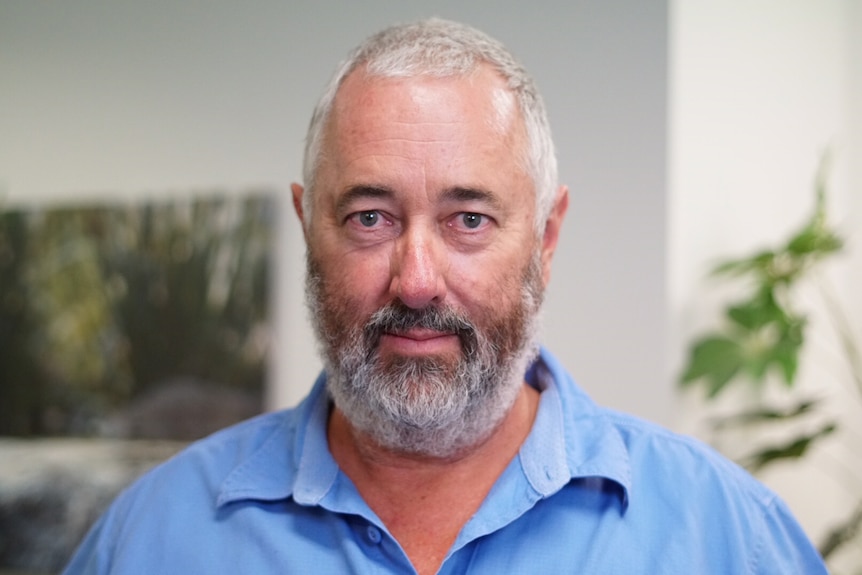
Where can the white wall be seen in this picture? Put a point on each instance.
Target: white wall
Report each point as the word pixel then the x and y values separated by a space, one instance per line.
pixel 758 91
pixel 105 98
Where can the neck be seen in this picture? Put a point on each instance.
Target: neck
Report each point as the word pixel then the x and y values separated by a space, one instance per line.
pixel 424 501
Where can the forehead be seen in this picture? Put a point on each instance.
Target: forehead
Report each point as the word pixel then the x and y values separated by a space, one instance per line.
pixel 481 94
pixel 448 123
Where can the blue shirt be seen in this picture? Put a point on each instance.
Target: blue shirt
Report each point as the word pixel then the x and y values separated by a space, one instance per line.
pixel 591 491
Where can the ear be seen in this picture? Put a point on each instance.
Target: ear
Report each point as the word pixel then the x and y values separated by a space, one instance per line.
pixel 297 192
pixel 552 231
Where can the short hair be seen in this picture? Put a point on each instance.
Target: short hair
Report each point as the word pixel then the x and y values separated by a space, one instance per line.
pixel 442 48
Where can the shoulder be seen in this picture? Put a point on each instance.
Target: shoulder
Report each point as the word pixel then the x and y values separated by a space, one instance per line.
pixel 268 445
pixel 687 487
pixel 655 451
pixel 645 454
pixel 218 454
pixel 182 506
pixel 178 500
pixel 680 494
pixel 197 474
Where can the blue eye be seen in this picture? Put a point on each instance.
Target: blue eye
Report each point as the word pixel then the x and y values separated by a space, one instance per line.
pixel 471 220
pixel 368 219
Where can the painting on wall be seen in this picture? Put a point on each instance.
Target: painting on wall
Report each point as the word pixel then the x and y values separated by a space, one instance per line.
pixel 148 320
pixel 126 331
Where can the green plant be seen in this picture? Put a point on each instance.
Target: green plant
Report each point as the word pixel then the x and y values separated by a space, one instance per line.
pixel 762 338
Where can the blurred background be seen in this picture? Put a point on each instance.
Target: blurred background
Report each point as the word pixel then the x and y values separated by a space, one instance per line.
pixel 146 152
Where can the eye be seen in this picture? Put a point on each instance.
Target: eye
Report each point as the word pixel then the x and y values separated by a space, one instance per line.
pixel 472 220
pixel 471 230
pixel 367 219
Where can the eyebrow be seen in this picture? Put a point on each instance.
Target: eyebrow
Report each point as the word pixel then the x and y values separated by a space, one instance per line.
pixel 361 192
pixel 460 194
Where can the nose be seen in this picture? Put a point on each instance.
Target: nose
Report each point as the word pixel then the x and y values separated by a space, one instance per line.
pixel 418 268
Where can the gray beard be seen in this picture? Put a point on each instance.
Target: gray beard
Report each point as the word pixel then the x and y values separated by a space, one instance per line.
pixel 430 406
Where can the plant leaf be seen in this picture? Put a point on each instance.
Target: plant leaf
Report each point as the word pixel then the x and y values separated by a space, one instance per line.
pixel 788 360
pixel 757 364
pixel 794 449
pixel 737 267
pixel 815 241
pixel 757 312
pixel 715 359
pixel 842 533
pixel 766 414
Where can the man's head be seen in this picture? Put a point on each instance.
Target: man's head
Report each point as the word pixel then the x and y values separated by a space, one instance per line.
pixel 442 48
pixel 429 243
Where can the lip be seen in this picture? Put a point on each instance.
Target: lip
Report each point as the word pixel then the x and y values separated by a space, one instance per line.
pixel 419 341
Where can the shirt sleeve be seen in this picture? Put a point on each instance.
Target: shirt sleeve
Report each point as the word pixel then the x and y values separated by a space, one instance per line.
pixel 92 555
pixel 784 547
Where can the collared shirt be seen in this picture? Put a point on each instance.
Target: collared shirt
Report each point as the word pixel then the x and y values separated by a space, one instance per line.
pixel 591 491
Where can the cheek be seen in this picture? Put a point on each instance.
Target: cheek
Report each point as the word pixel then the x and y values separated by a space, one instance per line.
pixel 488 300
pixel 351 286
pixel 492 279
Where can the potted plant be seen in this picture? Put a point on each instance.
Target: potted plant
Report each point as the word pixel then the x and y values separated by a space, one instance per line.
pixel 762 336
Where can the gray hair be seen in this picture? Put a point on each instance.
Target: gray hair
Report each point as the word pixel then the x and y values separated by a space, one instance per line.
pixel 442 48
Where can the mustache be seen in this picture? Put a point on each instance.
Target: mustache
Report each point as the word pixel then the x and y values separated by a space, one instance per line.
pixel 396 317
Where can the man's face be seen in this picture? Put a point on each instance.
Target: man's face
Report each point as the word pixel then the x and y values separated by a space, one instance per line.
pixel 425 271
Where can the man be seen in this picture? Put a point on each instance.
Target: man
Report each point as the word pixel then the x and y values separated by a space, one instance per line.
pixel 437 440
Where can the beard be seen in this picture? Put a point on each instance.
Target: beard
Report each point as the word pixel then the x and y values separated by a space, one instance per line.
pixel 436 405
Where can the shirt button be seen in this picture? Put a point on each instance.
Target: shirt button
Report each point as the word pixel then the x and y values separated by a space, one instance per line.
pixel 373 534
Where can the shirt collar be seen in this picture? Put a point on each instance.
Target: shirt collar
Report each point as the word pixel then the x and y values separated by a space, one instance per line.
pixel 293 461
pixel 571 439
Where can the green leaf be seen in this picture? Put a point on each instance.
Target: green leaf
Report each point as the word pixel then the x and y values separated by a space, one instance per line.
pixel 759 263
pixel 788 361
pixel 715 359
pixel 815 241
pixel 842 533
pixel 766 414
pixel 757 364
pixel 793 449
pixel 785 352
pixel 748 315
pixel 757 312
